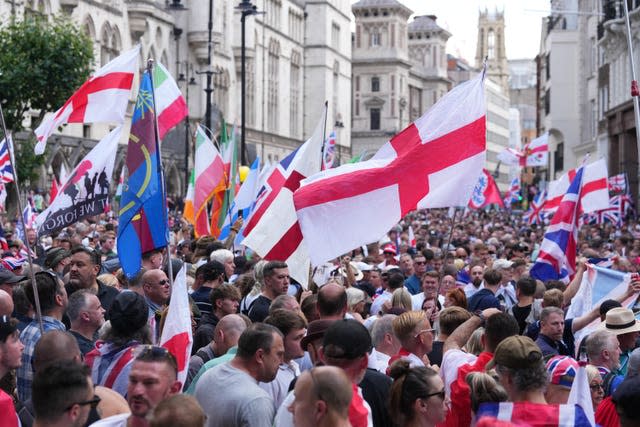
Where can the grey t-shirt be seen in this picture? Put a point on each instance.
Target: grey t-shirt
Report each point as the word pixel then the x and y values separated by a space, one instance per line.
pixel 230 397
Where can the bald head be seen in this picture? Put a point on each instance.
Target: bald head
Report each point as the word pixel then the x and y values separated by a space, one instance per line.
pixel 55 346
pixel 6 303
pixel 332 301
pixel 227 333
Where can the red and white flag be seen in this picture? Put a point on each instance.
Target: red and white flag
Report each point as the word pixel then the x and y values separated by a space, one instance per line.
pixel 485 192
pixel 594 195
pixel 433 163
pixel 177 335
pixel 273 230
pixel 102 98
pixel 536 152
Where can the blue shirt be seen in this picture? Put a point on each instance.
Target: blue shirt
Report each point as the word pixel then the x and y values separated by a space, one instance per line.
pixel 30 337
pixel 412 283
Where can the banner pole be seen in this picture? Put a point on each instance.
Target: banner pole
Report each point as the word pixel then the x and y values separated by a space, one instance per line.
pixel 32 276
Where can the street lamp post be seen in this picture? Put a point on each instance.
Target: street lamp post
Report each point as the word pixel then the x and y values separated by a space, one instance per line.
pixel 187 133
pixel 247 9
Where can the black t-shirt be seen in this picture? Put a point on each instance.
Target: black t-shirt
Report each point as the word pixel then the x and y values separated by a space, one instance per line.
pixel 435 356
pixel 259 309
pixel 521 314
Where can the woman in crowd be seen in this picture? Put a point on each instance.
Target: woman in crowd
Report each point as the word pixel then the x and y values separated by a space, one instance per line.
pixel 417 396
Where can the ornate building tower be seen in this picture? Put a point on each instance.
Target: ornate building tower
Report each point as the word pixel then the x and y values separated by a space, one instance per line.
pixel 491 46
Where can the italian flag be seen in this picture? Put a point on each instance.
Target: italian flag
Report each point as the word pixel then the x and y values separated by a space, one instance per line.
pixel 209 172
pixel 189 213
pixel 170 105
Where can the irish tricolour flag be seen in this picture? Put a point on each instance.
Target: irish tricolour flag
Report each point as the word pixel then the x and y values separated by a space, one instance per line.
pixel 170 105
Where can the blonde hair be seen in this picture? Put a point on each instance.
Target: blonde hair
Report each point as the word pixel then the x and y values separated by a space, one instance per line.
pixel 354 297
pixel 484 388
pixel 405 324
pixel 552 298
pixel 474 345
pixel 401 298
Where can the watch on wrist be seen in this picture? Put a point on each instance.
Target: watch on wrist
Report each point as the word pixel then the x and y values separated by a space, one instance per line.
pixel 480 315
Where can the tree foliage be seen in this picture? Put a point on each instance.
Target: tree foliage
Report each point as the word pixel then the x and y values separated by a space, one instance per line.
pixel 42 63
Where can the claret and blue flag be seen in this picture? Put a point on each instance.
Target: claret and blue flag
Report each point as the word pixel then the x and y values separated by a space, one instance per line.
pixel 142 225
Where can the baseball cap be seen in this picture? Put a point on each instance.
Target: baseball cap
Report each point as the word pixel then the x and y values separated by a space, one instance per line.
pixel 502 264
pixel 562 370
pixel 389 247
pixel 516 352
pixel 8 277
pixel 128 312
pixel 346 339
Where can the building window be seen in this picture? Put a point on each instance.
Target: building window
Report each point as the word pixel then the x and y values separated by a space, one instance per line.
pixel 335 36
pixel 357 107
pixel 294 109
pixel 86 131
pixel 375 39
pixel 547 101
pixel 374 114
pixel 251 93
pixel 375 84
pixel 558 157
pixel 491 44
pixel 221 82
pixel 272 86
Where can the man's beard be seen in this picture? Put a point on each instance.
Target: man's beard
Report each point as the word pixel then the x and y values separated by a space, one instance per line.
pixel 476 282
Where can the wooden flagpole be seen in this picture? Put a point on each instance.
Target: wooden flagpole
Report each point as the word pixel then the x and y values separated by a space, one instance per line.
pixel 32 275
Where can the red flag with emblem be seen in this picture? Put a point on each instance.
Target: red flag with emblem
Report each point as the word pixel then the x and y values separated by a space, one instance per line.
pixel 433 163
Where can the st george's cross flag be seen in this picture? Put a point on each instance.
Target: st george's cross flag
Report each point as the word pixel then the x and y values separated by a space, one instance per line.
pixel 557 257
pixel 485 192
pixel 433 163
pixel 177 335
pixel 273 231
pixel 86 191
pixel 102 98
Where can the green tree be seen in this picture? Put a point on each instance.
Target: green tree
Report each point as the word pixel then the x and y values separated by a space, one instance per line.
pixel 42 63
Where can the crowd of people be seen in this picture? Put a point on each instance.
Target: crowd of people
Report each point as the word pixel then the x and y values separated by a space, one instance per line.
pixel 438 323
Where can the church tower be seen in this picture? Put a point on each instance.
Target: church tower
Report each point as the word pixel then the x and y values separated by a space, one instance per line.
pixel 491 46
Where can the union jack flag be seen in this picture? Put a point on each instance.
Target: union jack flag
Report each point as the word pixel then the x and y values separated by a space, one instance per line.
pixel 6 171
pixel 512 193
pixel 557 257
pixel 618 183
pixel 535 214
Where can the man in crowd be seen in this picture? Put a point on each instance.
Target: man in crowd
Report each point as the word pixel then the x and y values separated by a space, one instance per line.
pixel 153 377
pixel 85 266
pixel 476 272
pixel 224 300
pixel 419 266
pixel 222 348
pixel 456 364
pixel 522 372
pixel 53 303
pixel 241 401
pixel 415 334
pixel 86 316
pixel 8 280
pixel 332 301
pixel 385 342
pixel 430 281
pixel 276 282
pixel 603 351
pixel 622 322
pixel 322 398
pixel 551 331
pixel 63 395
pixel 208 276
pixel 486 297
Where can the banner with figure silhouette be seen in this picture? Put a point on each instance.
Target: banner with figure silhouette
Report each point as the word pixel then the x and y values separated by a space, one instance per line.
pixel 86 190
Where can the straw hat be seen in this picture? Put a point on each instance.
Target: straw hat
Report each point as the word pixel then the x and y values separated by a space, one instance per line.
pixel 621 320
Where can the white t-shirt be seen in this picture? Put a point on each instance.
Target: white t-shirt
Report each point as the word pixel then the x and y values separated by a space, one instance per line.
pixel 451 361
pixel 119 420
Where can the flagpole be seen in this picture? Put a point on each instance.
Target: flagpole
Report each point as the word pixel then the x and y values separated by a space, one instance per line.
pixel 149 70
pixel 634 83
pixel 324 133
pixel 446 253
pixel 32 276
